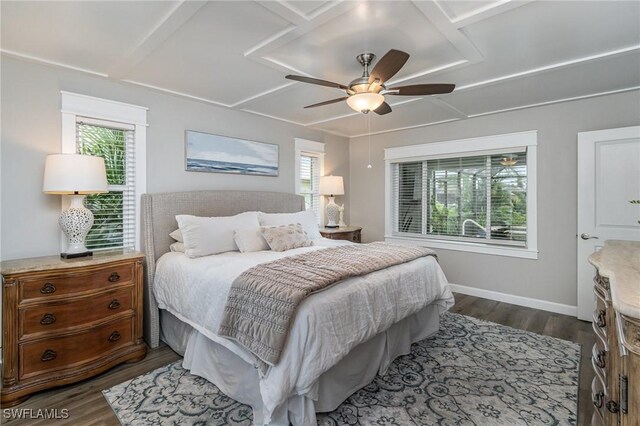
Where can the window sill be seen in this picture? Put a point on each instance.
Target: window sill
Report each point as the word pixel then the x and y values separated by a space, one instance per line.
pixel 524 253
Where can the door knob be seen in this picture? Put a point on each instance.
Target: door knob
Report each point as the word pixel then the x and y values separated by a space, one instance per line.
pixel 585 236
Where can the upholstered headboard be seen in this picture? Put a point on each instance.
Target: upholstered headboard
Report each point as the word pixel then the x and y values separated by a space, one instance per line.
pixel 159 219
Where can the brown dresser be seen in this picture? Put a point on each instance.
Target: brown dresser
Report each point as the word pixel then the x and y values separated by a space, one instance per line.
pixel 349 233
pixel 616 322
pixel 66 320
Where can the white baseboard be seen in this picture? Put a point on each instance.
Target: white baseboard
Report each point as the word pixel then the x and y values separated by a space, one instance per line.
pixel 544 305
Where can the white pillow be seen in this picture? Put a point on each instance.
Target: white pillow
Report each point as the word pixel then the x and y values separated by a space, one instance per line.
pixel 249 240
pixel 306 218
pixel 177 247
pixel 177 235
pixel 211 235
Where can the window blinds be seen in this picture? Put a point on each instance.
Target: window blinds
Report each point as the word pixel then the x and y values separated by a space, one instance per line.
pixel 473 198
pixel 310 182
pixel 114 212
pixel 408 196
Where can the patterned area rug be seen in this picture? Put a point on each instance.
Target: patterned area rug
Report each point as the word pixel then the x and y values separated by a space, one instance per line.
pixel 471 372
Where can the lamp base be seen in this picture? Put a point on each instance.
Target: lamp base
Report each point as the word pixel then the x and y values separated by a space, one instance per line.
pixel 76 222
pixel 333 211
pixel 332 226
pixel 74 255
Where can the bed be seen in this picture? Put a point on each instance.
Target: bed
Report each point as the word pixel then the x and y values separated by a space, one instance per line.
pixel 340 339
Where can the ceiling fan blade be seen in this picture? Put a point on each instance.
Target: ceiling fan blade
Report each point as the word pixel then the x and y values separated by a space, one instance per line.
pixel 388 65
pixel 422 89
pixel 332 101
pixel 383 109
pixel 316 81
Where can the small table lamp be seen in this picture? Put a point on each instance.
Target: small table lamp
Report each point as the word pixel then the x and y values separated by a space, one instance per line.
pixel 332 185
pixel 77 176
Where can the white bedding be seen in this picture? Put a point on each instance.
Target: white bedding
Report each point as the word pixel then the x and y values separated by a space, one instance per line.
pixel 327 325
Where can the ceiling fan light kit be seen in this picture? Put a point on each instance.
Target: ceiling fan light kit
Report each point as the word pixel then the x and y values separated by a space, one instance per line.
pixel 367 93
pixel 365 102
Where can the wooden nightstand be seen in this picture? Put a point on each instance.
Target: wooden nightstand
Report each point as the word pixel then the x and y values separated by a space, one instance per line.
pixel 67 320
pixel 349 233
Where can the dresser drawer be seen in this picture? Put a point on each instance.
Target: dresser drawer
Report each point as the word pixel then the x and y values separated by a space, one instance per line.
pixel 54 316
pixel 47 355
pixel 51 286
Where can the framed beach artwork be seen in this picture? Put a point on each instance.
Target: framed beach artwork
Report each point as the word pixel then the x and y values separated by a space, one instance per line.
pixel 221 154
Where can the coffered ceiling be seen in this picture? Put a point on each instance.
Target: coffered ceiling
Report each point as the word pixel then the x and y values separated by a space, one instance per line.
pixel 502 55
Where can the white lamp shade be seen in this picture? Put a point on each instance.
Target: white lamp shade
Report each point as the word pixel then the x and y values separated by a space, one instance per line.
pixel 331 185
pixel 367 101
pixel 74 174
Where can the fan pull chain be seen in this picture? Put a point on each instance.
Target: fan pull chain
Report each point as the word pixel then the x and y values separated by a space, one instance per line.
pixel 369 133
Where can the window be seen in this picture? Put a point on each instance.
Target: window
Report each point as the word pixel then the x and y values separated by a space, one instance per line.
pixel 463 199
pixel 309 168
pixel 114 213
pixel 310 182
pixel 117 133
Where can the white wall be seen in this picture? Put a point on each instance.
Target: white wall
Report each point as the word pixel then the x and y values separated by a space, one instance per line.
pixel 553 276
pixel 31 129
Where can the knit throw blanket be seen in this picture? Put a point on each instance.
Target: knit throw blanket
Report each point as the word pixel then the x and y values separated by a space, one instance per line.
pixel 262 300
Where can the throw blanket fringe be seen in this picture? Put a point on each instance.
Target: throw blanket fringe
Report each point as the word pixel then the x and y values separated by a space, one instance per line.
pixel 262 300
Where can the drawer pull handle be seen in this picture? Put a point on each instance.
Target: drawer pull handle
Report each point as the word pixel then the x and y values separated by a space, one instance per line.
pixel 48 319
pixel 48 288
pixel 48 355
pixel 114 304
pixel 601 321
pixel 613 407
pixel 114 336
pixel 600 358
pixel 598 399
pixel 114 277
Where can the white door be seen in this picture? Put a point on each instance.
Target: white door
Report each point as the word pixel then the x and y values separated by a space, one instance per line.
pixel 608 177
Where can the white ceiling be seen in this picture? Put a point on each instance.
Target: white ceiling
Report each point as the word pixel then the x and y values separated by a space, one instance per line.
pixel 502 55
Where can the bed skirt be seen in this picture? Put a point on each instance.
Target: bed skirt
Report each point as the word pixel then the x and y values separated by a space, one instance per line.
pixel 240 381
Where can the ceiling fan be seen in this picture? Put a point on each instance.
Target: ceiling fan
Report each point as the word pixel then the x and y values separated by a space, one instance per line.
pixel 368 92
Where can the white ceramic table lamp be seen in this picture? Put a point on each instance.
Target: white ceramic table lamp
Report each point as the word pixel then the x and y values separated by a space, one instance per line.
pixel 77 176
pixel 331 186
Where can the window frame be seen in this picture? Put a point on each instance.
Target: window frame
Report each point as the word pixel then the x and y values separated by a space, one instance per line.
pixel 75 106
pixel 311 149
pixel 468 147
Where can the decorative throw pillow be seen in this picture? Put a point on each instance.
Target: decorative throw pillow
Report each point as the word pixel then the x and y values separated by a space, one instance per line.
pixel 249 240
pixel 177 247
pixel 177 235
pixel 285 237
pixel 211 235
pixel 306 218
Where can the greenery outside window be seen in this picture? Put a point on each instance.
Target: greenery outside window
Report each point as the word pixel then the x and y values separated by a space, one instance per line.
pixel 114 212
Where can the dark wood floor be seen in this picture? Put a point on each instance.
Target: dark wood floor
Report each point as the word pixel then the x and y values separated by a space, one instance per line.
pixel 87 406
